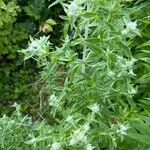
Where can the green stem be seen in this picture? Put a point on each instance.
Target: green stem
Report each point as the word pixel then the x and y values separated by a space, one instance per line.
pixel 85 38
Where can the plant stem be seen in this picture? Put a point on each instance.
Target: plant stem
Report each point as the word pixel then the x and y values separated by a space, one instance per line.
pixel 85 38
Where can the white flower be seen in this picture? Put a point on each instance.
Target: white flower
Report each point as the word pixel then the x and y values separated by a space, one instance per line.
pixel 89 147
pixel 53 101
pixel 129 65
pixel 131 62
pixel 124 32
pixel 132 25
pixel 73 8
pixel 69 119
pixel 37 47
pixel 122 129
pixel 72 141
pixel 111 73
pixel 86 127
pixel 95 108
pixel 78 139
pixel 78 136
pixel 132 90
pixel 56 146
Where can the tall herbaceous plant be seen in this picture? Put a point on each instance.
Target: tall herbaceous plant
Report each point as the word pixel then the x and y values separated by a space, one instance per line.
pixel 89 77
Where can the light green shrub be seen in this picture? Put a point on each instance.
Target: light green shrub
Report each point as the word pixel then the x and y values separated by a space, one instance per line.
pixel 89 81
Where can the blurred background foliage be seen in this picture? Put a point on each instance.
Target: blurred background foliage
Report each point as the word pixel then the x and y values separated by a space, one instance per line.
pixel 18 20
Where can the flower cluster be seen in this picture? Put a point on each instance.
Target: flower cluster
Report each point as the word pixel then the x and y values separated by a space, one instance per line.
pixel 122 129
pixel 132 90
pixel 56 146
pixel 53 101
pixel 95 108
pixel 69 119
pixel 79 135
pixel 89 147
pixel 37 47
pixel 130 26
pixel 126 65
pixel 73 8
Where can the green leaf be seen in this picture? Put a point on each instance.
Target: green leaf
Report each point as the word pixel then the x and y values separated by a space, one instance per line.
pixel 55 2
pixel 97 49
pixel 32 11
pixel 50 22
pixel 125 49
pixel 77 41
pixel 144 79
pixel 147 43
pixel 2 5
pixel 141 138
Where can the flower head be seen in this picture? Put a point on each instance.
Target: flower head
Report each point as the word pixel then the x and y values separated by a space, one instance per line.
pixel 37 47
pixel 95 108
pixel 131 62
pixel 56 146
pixel 124 32
pixel 69 119
pixel 73 8
pixel 132 25
pixel 122 129
pixel 53 101
pixel 78 136
pixel 89 147
pixel 110 73
pixel 132 90
pixel 86 127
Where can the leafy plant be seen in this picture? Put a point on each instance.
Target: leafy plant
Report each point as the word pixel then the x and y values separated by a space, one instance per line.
pixel 88 98
pixel 89 78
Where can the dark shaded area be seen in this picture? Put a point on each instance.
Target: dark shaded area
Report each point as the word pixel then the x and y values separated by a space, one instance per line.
pixel 19 80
